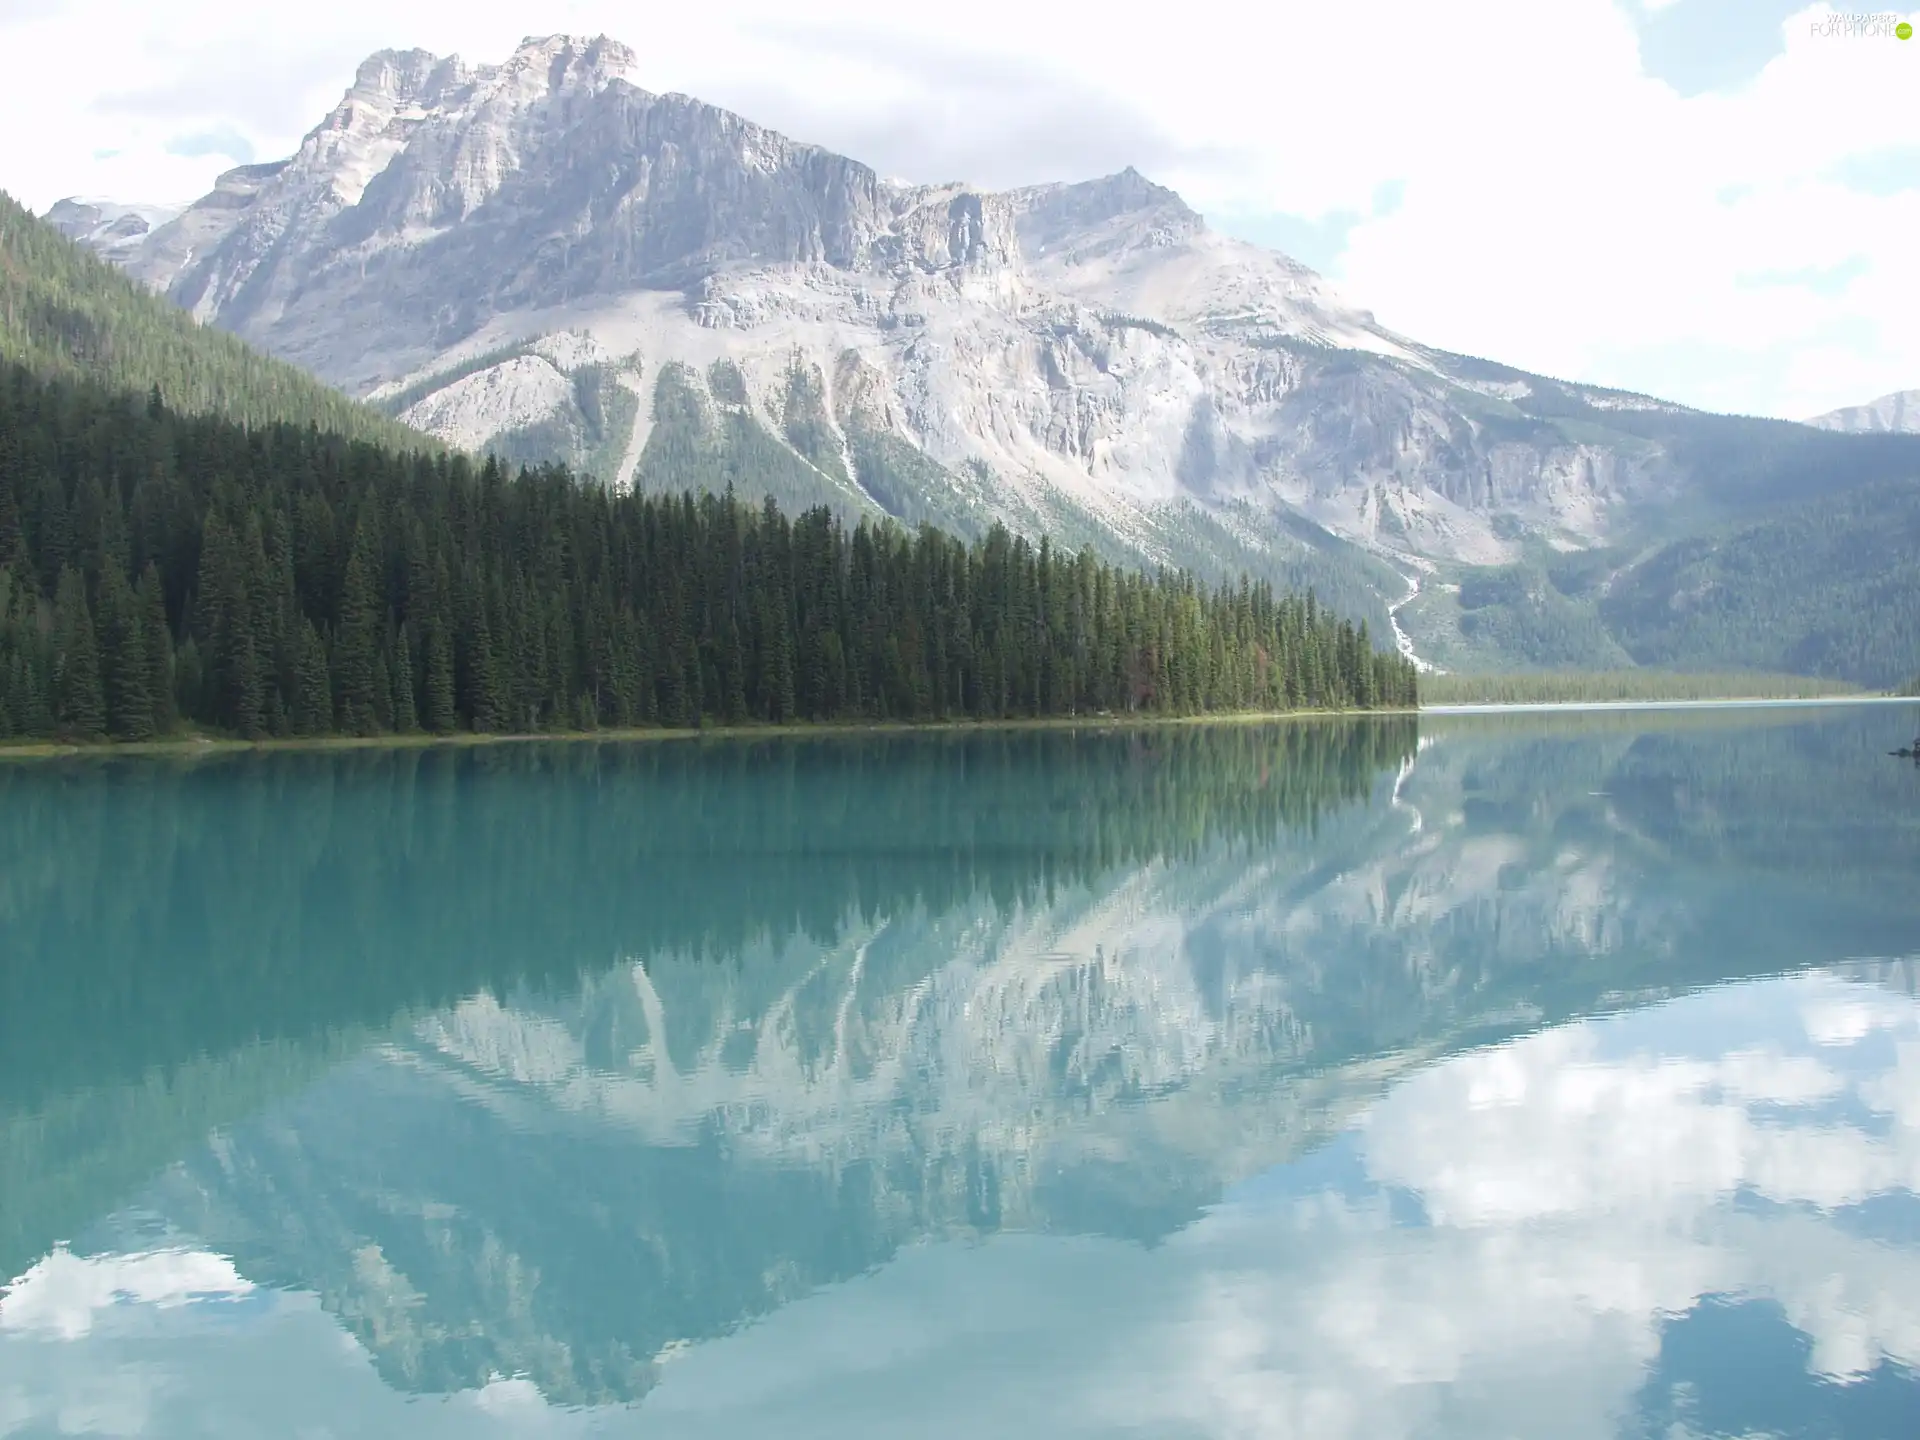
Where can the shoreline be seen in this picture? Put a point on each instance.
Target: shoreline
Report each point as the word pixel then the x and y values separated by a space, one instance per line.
pixel 1724 702
pixel 195 746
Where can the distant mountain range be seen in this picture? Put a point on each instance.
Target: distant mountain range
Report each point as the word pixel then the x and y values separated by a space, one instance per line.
pixel 541 259
pixel 1898 412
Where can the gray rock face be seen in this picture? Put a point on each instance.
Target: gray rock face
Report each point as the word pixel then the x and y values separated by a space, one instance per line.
pixel 1089 357
pixel 115 231
pixel 1898 413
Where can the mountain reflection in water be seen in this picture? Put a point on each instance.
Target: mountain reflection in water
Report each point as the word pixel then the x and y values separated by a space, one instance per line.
pixel 1324 1079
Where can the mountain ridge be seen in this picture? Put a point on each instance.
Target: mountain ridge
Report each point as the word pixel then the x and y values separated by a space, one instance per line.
pixel 66 313
pixel 564 185
pixel 542 259
pixel 1898 413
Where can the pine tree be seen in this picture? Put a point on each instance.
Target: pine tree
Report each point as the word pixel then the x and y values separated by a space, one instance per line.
pixel 190 688
pixel 443 716
pixel 235 665
pixel 481 692
pixel 80 708
pixel 51 530
pixel 125 666
pixel 156 645
pixel 405 717
pixel 312 709
pixel 11 468
pixel 383 716
pixel 732 674
pixel 30 690
pixel 537 601
pixel 356 644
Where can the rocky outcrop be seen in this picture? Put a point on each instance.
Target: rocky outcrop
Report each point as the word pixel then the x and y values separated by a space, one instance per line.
pixel 1087 357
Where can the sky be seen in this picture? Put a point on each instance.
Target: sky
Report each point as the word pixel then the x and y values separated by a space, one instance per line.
pixel 1713 201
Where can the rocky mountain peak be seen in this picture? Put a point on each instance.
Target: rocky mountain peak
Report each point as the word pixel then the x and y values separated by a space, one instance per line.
pixel 562 62
pixel 398 93
pixel 1086 359
pixel 1114 209
pixel 1898 413
pixel 399 75
pixel 114 230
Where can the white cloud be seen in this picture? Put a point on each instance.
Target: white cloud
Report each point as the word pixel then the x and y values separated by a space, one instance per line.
pixel 65 1294
pixel 1571 1217
pixel 1578 1182
pixel 1843 1019
pixel 1562 210
pixel 1543 1127
pixel 289 1371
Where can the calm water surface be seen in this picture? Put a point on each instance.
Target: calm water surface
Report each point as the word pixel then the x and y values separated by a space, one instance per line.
pixel 1503 1077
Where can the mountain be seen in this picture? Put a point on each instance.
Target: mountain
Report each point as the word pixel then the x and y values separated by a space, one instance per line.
pixel 66 314
pixel 542 259
pixel 1898 412
pixel 109 229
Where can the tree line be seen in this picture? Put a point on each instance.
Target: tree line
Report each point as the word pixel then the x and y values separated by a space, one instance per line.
pixel 162 569
pixel 66 312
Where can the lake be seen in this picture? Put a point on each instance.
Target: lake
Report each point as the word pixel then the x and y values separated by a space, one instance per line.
pixel 1474 1076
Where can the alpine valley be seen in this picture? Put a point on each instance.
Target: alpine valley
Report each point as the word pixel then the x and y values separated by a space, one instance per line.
pixel 542 260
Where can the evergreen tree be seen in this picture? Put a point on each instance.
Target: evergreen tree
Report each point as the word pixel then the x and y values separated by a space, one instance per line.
pixel 442 715
pixel 156 646
pixel 126 669
pixel 79 706
pixel 480 692
pixel 356 647
pixel 317 586
pixel 406 718
pixel 68 313
pixel 312 710
pixel 237 670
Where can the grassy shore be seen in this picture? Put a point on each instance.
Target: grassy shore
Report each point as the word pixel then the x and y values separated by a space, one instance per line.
pixel 1599 687
pixel 196 744
pixel 1510 693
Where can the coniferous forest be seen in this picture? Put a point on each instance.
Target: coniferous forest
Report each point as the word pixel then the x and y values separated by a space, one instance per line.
pixel 66 313
pixel 159 570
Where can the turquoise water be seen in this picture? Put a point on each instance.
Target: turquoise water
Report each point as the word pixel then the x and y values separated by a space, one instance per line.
pixel 1494 1076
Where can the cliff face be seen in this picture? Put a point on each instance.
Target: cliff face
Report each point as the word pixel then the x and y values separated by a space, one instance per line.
pixel 520 256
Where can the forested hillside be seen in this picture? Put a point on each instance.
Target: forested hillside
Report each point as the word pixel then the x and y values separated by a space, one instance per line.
pixel 707 435
pixel 282 581
pixel 66 312
pixel 1827 588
